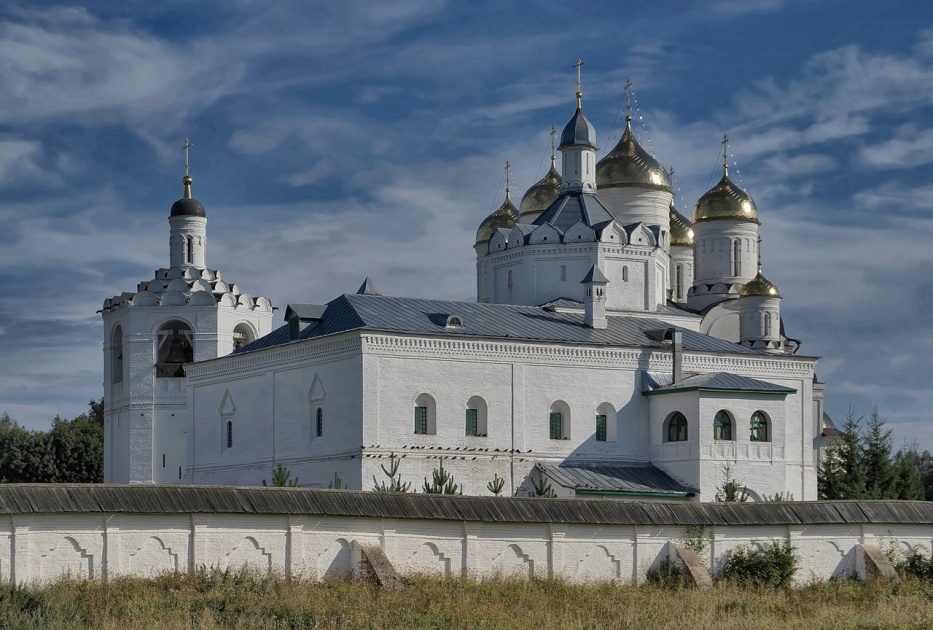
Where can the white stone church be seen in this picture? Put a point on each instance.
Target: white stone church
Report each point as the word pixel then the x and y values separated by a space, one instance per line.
pixel 615 349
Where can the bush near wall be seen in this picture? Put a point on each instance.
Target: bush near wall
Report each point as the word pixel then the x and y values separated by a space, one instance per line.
pixel 773 564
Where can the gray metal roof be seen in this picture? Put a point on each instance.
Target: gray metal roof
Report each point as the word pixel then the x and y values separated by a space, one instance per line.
pixel 595 274
pixel 499 321
pixel 636 479
pixel 721 381
pixel 305 311
pixel 578 132
pixel 571 207
pixel 153 499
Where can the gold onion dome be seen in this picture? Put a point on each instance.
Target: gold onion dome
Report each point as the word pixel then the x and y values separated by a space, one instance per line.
pixel 725 200
pixel 681 229
pixel 629 164
pixel 760 286
pixel 543 193
pixel 505 217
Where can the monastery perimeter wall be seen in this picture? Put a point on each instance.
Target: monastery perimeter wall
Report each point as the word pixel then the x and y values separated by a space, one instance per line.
pixel 97 531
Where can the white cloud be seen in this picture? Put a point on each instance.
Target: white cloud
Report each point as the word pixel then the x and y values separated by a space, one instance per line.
pixel 911 147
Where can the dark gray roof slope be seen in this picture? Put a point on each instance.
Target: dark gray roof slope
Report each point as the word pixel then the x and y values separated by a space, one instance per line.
pixel 500 321
pixel 644 479
pixel 722 382
pixel 147 499
pixel 571 207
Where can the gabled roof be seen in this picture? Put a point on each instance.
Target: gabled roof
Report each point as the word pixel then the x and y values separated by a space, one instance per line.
pixel 595 275
pixel 637 479
pixel 498 321
pixel 720 382
pixel 571 207
pixel 368 288
pixel 305 311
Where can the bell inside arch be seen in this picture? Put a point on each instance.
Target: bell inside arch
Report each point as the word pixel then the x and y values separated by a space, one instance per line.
pixel 175 350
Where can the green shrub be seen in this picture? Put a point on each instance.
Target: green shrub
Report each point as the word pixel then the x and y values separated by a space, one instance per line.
pixel 916 565
pixel 667 575
pixel 774 564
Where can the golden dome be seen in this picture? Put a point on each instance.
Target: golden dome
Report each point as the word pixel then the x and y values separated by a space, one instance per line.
pixel 543 193
pixel 725 200
pixel 681 229
pixel 505 217
pixel 760 286
pixel 629 164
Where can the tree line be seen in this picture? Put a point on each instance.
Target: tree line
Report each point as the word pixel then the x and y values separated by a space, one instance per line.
pixel 71 451
pixel 862 463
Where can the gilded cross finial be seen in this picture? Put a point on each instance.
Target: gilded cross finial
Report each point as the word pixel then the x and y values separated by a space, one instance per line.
pixel 759 254
pixel 186 180
pixel 508 178
pixel 578 66
pixel 725 154
pixel 628 99
pixel 672 175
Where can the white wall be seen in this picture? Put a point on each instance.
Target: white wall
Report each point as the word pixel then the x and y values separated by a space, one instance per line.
pixel 38 548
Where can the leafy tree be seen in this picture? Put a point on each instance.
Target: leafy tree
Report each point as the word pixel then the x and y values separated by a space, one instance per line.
pixel 442 482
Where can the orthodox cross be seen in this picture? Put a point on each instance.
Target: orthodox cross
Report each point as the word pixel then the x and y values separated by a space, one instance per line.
pixel 579 65
pixel 553 138
pixel 759 254
pixel 185 148
pixel 628 98
pixel 725 154
pixel 508 177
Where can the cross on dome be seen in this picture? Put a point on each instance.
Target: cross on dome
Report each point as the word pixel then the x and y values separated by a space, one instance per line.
pixel 725 154
pixel 628 99
pixel 578 66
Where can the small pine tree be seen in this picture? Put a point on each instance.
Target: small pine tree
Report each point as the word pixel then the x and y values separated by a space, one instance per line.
pixel 731 491
pixel 496 485
pixel 543 489
pixel 395 481
pixel 336 484
pixel 281 478
pixel 442 482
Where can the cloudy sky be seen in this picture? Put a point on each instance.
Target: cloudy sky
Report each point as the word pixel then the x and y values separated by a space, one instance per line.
pixel 335 140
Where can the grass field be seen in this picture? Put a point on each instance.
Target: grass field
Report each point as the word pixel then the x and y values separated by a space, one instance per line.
pixel 212 599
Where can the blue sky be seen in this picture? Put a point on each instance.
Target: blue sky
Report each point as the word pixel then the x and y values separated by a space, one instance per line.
pixel 344 139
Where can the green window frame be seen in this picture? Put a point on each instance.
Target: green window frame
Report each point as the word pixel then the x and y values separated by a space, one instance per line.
pixel 759 428
pixel 472 423
pixel 319 422
pixel 421 420
pixel 677 428
pixel 556 425
pixel 601 428
pixel 722 426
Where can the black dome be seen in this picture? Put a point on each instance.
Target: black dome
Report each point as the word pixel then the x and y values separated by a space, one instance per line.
pixel 188 208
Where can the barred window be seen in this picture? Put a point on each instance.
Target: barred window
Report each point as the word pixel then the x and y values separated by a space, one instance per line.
pixel 556 422
pixel 421 420
pixel 601 428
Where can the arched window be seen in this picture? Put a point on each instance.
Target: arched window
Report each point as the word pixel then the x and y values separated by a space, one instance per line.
pixel 606 423
pixel 737 257
pixel 175 347
pixel 767 324
pixel 242 335
pixel 475 421
pixel 722 426
pixel 759 428
pixel 190 250
pixel 677 428
pixel 559 421
pixel 425 418
pixel 319 422
pixel 563 273
pixel 229 434
pixel 116 355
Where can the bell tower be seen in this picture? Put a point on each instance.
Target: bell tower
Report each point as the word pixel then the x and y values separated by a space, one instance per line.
pixel 184 313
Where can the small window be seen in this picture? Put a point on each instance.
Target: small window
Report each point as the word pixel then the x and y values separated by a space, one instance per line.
pixel 737 257
pixel 319 422
pixel 624 273
pixel 472 424
pixel 767 324
pixel 510 277
pixel 601 428
pixel 421 420
pixel 679 282
pixel 759 428
pixel 190 250
pixel 229 434
pixel 454 321
pixel 563 273
pixel 557 425
pixel 163 460
pixel 722 426
pixel 677 428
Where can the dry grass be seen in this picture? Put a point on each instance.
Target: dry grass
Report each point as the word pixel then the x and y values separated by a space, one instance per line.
pixel 211 599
